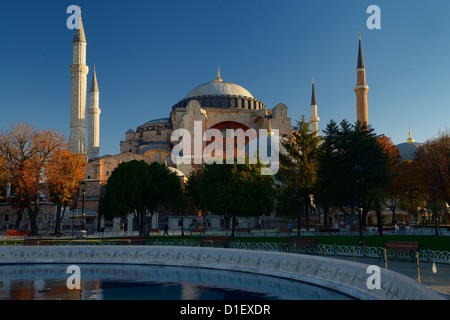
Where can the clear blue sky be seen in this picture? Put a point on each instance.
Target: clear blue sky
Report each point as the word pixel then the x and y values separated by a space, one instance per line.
pixel 150 54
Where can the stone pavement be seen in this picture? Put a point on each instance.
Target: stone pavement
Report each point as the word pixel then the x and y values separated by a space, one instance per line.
pixel 438 280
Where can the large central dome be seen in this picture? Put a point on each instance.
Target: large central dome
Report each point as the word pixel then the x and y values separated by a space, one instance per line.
pixel 219 88
pixel 221 94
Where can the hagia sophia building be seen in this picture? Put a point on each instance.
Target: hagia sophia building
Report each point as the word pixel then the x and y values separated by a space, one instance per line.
pixel 217 104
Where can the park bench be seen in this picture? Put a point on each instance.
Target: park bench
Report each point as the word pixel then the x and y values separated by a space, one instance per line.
pixel 133 241
pixel 214 242
pixel 17 233
pixel 154 231
pixel 401 246
pixel 308 244
pixel 38 242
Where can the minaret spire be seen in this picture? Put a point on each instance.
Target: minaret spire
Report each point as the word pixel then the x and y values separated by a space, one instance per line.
pixel 314 120
pixel 361 63
pixel 79 32
pixel 313 96
pixel 94 84
pixel 94 119
pixel 361 88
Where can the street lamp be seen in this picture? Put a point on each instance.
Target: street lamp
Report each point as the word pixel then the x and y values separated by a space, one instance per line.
pixel 357 171
pixel 434 209
pixel 83 220
pixel 182 204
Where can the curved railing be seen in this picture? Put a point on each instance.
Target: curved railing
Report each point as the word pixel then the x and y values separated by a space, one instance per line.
pixel 425 255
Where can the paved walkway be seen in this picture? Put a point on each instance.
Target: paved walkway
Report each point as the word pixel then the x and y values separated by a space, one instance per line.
pixel 438 280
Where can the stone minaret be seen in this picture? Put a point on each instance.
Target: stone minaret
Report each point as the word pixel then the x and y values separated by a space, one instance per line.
pixel 314 120
pixel 361 89
pixel 79 71
pixel 94 119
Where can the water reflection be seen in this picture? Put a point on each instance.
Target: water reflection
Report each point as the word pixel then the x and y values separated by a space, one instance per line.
pixel 133 282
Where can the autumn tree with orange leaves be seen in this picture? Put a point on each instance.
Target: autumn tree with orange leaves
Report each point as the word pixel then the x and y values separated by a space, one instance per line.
pixel 28 154
pixel 392 194
pixel 3 178
pixel 64 174
pixel 432 167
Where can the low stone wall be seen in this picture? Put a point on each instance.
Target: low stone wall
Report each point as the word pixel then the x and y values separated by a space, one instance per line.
pixel 340 275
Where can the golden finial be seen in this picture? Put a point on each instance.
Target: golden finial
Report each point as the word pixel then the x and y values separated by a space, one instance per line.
pixel 313 80
pixel 218 74
pixel 410 139
pixel 360 36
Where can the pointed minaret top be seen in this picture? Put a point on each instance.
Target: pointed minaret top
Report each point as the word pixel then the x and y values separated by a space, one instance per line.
pixel 79 32
pixel 94 84
pixel 313 96
pixel 361 64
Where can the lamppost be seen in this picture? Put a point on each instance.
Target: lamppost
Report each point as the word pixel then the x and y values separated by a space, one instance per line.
pixel 434 209
pixel 357 171
pixel 83 215
pixel 182 204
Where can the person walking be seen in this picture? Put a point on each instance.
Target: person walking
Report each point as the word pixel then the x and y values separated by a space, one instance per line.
pixel 166 229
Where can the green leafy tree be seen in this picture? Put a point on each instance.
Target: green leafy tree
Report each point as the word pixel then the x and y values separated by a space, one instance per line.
pixel 345 147
pixel 297 173
pixel 237 190
pixel 138 188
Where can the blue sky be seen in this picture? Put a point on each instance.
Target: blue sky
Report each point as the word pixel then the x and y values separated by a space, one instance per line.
pixel 150 54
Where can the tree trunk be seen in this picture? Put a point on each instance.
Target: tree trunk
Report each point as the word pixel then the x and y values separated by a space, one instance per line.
pixel 298 225
pixel 150 222
pixel 33 221
pixel 233 224
pixel 58 219
pixel 325 217
pixel 19 218
pixel 307 215
pixel 394 218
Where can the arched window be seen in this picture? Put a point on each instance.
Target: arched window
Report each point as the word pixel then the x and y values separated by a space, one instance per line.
pixel 158 157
